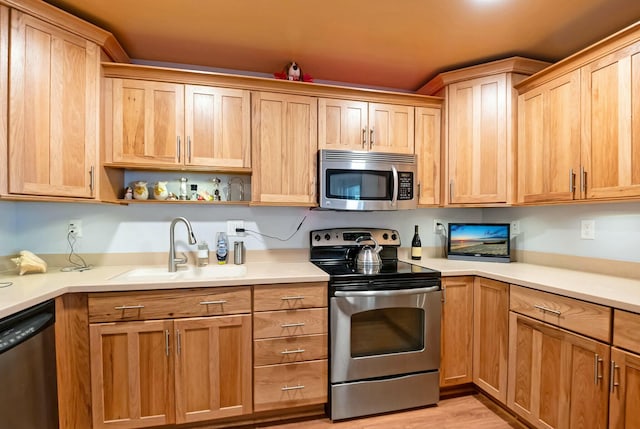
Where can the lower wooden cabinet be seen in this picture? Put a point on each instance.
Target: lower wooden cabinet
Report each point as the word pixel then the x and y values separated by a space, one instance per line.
pixel 491 336
pixel 624 397
pixel 158 372
pixel 456 351
pixel 290 328
pixel 557 379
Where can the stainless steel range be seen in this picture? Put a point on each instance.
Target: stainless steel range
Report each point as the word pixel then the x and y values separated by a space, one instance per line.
pixel 384 323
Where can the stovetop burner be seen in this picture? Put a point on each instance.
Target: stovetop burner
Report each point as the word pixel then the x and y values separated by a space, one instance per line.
pixel 345 270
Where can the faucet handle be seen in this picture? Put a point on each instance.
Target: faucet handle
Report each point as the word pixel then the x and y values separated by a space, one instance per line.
pixel 182 260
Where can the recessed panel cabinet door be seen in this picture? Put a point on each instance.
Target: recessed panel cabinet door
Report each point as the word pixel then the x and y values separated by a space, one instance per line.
pixel 478 141
pixel 624 399
pixel 427 144
pixel 53 110
pixel 557 379
pixel 147 122
pixel 549 141
pixel 217 127
pixel 391 128
pixel 491 336
pixel 456 338
pixel 611 125
pixel 284 146
pixel 213 367
pixel 132 374
pixel 342 124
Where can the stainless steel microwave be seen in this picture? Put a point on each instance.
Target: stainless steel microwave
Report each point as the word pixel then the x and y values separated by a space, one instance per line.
pixel 358 180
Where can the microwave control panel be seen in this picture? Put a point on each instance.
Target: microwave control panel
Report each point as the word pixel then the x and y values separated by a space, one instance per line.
pixel 405 185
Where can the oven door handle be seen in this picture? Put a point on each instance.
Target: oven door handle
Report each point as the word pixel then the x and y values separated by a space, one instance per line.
pixel 396 185
pixel 397 292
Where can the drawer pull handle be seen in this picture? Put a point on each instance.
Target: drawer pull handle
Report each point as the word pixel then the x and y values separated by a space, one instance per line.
pixel 289 352
pixel 292 325
pixel 291 298
pixel 298 387
pixel 222 301
pixel 548 310
pixel 129 307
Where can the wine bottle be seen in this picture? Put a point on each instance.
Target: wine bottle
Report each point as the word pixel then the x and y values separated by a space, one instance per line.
pixel 416 246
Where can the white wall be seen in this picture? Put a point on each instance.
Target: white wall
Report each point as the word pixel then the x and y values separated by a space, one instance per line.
pixel 556 229
pixel 145 227
pixel 42 227
pixel 8 228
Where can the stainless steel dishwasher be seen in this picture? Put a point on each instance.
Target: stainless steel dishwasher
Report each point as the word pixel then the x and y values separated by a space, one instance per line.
pixel 28 391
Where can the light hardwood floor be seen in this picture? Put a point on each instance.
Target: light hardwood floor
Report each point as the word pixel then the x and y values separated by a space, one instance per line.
pixel 472 411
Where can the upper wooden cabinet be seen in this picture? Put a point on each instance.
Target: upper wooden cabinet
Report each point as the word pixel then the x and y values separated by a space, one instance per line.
pixel 359 125
pixel 54 94
pixel 549 149
pixel 579 125
pixel 479 156
pixel 284 145
pixel 428 143
pixel 168 124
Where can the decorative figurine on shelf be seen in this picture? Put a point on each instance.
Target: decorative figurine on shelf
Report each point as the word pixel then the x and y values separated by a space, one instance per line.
pixel 160 191
pixel 293 71
pixel 172 197
pixel 204 196
pixel 140 191
pixel 128 193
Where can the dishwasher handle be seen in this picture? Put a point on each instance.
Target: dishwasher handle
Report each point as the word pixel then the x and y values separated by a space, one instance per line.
pixel 19 328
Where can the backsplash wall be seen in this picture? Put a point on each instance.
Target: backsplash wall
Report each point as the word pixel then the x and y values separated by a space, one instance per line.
pixel 41 227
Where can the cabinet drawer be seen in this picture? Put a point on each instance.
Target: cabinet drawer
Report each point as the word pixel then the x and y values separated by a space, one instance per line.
pixel 141 305
pixel 270 324
pixel 289 349
pixel 626 327
pixel 290 385
pixel 289 296
pixel 582 317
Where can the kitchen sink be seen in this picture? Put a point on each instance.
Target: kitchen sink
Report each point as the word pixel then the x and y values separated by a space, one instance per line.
pixel 210 272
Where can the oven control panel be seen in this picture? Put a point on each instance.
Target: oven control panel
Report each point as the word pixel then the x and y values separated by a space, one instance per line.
pixel 349 237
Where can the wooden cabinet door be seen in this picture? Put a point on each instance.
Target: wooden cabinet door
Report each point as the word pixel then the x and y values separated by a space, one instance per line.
pixel 391 128
pixel 624 399
pixel 213 367
pixel 477 141
pixel 490 336
pixel 342 124
pixel 549 141
pixel 147 122
pixel 284 146
pixel 611 125
pixel 54 110
pixel 217 127
pixel 427 144
pixel 556 379
pixel 131 374
pixel 456 337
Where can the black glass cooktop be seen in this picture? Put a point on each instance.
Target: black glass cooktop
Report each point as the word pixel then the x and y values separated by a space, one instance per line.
pixel 347 270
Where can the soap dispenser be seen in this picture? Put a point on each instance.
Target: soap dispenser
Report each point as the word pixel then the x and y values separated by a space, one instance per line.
pixel 222 248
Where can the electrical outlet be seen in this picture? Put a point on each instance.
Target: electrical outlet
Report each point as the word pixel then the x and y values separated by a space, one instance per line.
pixel 437 222
pixel 75 227
pixel 588 229
pixel 515 228
pixel 232 225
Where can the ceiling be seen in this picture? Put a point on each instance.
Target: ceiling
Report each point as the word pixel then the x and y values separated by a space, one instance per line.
pixel 375 43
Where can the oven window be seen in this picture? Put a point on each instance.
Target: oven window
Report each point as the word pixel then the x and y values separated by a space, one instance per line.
pixel 359 184
pixel 387 330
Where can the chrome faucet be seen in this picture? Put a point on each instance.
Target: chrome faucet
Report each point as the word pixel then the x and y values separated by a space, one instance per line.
pixel 173 261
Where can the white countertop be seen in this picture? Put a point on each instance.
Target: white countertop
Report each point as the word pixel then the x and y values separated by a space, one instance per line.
pixel 32 289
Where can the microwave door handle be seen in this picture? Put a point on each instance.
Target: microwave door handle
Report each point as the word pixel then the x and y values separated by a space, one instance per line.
pixel 396 185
